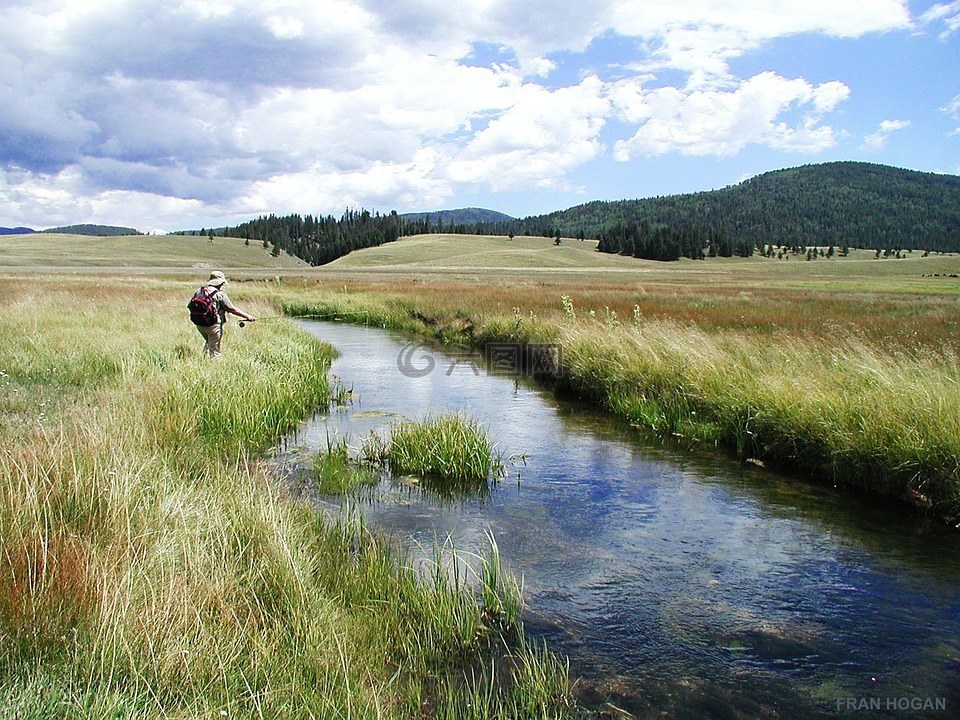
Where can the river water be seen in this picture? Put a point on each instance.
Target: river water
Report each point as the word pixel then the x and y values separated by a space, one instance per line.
pixel 679 583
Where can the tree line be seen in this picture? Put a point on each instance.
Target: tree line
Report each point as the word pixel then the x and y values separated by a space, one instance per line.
pixel 317 240
pixel 665 243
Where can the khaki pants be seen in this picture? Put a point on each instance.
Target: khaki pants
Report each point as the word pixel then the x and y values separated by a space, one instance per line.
pixel 212 334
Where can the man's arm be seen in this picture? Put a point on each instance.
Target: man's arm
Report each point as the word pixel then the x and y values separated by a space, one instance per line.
pixel 241 313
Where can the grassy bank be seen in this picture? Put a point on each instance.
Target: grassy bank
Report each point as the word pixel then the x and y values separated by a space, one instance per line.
pixel 856 390
pixel 151 567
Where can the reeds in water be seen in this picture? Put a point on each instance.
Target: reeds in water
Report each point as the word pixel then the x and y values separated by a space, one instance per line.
pixel 450 448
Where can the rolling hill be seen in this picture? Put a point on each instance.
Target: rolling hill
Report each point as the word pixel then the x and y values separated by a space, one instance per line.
pixel 452 252
pixel 844 204
pixel 46 250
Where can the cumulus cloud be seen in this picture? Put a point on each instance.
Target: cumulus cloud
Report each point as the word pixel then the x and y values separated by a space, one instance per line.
pixel 702 37
pixel 534 142
pixel 225 107
pixel 878 140
pixel 717 122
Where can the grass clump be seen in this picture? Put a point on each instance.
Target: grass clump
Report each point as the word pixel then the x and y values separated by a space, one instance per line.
pixel 448 448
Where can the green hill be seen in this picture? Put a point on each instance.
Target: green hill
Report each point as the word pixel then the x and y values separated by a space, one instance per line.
pixel 48 250
pixel 844 203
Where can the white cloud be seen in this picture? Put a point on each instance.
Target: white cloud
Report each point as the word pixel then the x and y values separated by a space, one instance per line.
pixel 952 109
pixel 948 13
pixel 228 106
pixel 722 123
pixel 701 37
pixel 285 28
pixel 66 199
pixel 537 140
pixel 878 140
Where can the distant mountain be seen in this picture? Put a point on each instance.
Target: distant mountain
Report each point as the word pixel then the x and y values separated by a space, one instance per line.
pixel 463 216
pixel 843 203
pixel 15 231
pixel 94 230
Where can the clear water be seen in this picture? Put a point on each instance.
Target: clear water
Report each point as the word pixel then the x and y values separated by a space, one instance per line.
pixel 679 584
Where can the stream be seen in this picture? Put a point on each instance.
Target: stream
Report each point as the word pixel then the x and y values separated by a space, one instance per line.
pixel 679 583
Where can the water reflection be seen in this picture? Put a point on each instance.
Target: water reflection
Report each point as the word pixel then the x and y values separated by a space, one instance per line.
pixel 677 581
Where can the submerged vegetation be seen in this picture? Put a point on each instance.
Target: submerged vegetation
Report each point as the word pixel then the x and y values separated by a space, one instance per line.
pixel 150 566
pixel 335 471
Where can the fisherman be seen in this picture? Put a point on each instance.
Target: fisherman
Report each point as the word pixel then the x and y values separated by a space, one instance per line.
pixel 223 305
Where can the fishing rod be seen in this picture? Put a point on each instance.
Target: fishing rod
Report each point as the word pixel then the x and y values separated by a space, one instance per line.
pixel 310 316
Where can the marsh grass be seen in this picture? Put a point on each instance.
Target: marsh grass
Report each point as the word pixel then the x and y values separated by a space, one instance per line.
pixel 845 411
pixel 149 564
pixel 450 451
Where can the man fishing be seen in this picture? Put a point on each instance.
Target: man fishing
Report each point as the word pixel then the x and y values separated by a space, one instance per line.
pixel 208 311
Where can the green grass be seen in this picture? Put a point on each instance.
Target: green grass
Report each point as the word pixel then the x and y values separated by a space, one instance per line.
pixel 337 473
pixel 451 450
pixel 151 566
pixel 846 411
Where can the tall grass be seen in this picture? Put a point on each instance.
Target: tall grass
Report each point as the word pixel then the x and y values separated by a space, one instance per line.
pixel 846 410
pixel 337 473
pixel 149 564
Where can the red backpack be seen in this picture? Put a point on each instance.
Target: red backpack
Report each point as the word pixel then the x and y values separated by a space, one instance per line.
pixel 203 309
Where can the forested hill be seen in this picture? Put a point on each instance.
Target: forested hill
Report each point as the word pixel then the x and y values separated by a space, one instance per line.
pixel 94 230
pixel 843 204
pixel 463 216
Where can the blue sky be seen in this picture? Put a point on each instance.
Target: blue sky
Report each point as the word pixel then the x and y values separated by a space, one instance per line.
pixel 176 114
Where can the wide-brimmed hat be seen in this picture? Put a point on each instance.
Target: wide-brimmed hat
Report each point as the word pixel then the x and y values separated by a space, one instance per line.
pixel 216 279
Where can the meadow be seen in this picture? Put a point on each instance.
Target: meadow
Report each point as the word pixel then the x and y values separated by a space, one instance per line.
pixel 132 252
pixel 151 565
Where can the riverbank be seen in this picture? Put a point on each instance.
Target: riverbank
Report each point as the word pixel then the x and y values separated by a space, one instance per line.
pixel 152 567
pixel 852 399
